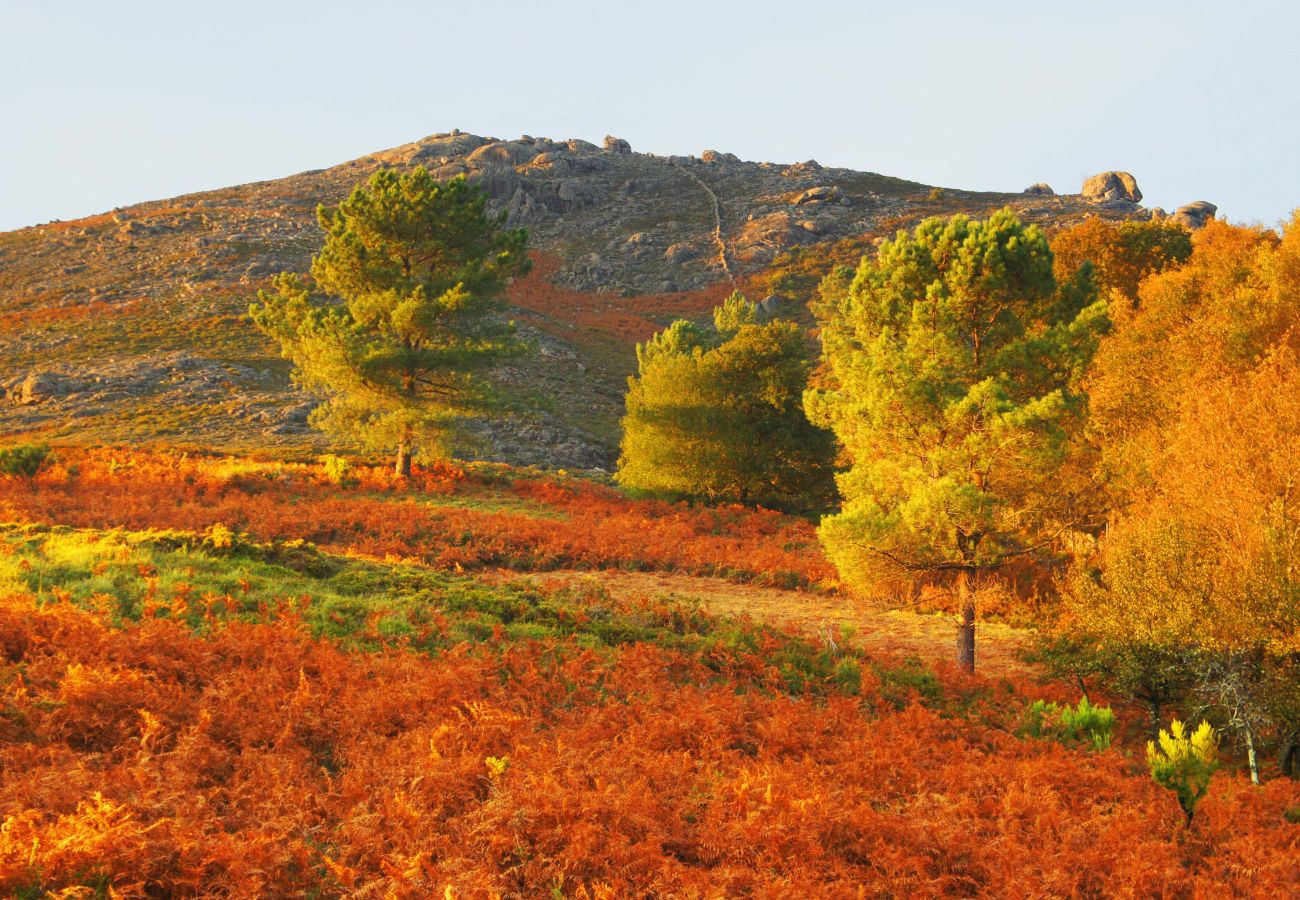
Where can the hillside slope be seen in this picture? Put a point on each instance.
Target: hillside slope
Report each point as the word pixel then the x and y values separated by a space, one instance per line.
pixel 129 326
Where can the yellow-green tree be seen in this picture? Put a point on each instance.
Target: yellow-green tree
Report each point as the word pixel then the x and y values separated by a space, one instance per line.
pixel 717 413
pixel 953 363
pixel 404 313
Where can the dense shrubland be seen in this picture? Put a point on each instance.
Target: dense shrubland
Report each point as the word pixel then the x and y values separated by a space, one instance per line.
pixel 212 738
pixel 443 516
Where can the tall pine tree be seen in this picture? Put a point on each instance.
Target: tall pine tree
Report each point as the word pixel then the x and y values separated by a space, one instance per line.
pixel 952 361
pixel 405 313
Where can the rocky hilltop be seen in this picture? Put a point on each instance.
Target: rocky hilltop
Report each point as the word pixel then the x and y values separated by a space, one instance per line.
pixel 128 326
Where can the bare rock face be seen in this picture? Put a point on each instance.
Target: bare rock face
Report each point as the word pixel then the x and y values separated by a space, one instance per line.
pixel 1041 189
pixel 763 237
pixel 1112 186
pixel 506 153
pixel 825 193
pixel 617 145
pixel 1194 215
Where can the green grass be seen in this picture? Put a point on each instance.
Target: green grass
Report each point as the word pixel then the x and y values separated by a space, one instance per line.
pixel 204 580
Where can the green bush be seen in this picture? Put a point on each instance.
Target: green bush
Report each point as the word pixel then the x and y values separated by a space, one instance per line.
pixel 24 461
pixel 338 470
pixel 1084 724
pixel 1184 763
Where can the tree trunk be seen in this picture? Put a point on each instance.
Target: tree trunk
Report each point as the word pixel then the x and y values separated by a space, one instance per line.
pixel 1154 707
pixel 403 467
pixel 1251 758
pixel 966 628
pixel 1289 759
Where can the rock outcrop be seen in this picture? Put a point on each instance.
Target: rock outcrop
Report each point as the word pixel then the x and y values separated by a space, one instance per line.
pixel 1112 186
pixel 1193 216
pixel 1040 189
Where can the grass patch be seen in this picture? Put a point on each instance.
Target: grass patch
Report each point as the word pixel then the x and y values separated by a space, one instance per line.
pixel 206 579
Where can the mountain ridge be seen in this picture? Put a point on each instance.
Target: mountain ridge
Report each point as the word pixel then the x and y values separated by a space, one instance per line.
pixel 128 326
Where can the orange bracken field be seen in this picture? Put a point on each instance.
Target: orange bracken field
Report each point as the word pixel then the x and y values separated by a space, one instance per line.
pixel 191 749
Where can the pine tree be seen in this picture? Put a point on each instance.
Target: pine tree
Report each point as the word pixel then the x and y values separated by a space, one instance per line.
pixel 717 414
pixel 405 312
pixel 953 361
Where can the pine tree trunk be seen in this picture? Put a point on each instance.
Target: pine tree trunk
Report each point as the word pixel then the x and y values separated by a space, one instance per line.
pixel 966 628
pixel 403 467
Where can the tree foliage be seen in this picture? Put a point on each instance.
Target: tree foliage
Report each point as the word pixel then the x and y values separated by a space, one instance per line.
pixel 1184 763
pixel 1201 442
pixel 717 413
pixel 1121 254
pixel 1218 314
pixel 954 362
pixel 404 312
pixel 24 461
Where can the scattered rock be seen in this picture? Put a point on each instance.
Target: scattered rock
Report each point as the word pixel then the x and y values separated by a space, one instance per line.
pixel 826 193
pixel 42 387
pixel 637 243
pixel 1195 215
pixel 770 306
pixel 1120 205
pixel 617 145
pixel 1041 188
pixel 1112 186
pixel 679 252
pixel 764 236
pixel 498 180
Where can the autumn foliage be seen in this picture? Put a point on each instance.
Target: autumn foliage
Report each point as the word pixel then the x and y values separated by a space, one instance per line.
pixel 446 518
pixel 255 761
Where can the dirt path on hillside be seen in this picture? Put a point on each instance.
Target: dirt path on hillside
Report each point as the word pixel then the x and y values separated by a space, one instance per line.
pixel 897 633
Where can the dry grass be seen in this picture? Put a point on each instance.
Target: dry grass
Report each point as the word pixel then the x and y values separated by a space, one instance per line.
pixel 878 631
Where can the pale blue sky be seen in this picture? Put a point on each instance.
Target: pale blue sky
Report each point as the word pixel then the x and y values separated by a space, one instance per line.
pixel 112 103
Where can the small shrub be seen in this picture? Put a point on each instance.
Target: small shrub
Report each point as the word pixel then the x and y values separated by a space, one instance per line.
pixel 1184 763
pixel 1072 725
pixel 338 470
pixel 24 461
pixel 1292 814
pixel 219 537
pixel 1085 722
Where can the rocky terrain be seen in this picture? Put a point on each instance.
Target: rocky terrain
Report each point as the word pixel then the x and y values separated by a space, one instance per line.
pixel 129 326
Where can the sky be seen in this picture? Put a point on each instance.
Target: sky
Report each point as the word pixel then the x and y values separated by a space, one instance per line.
pixel 109 104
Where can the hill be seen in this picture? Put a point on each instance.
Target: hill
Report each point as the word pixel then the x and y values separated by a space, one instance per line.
pixel 129 326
